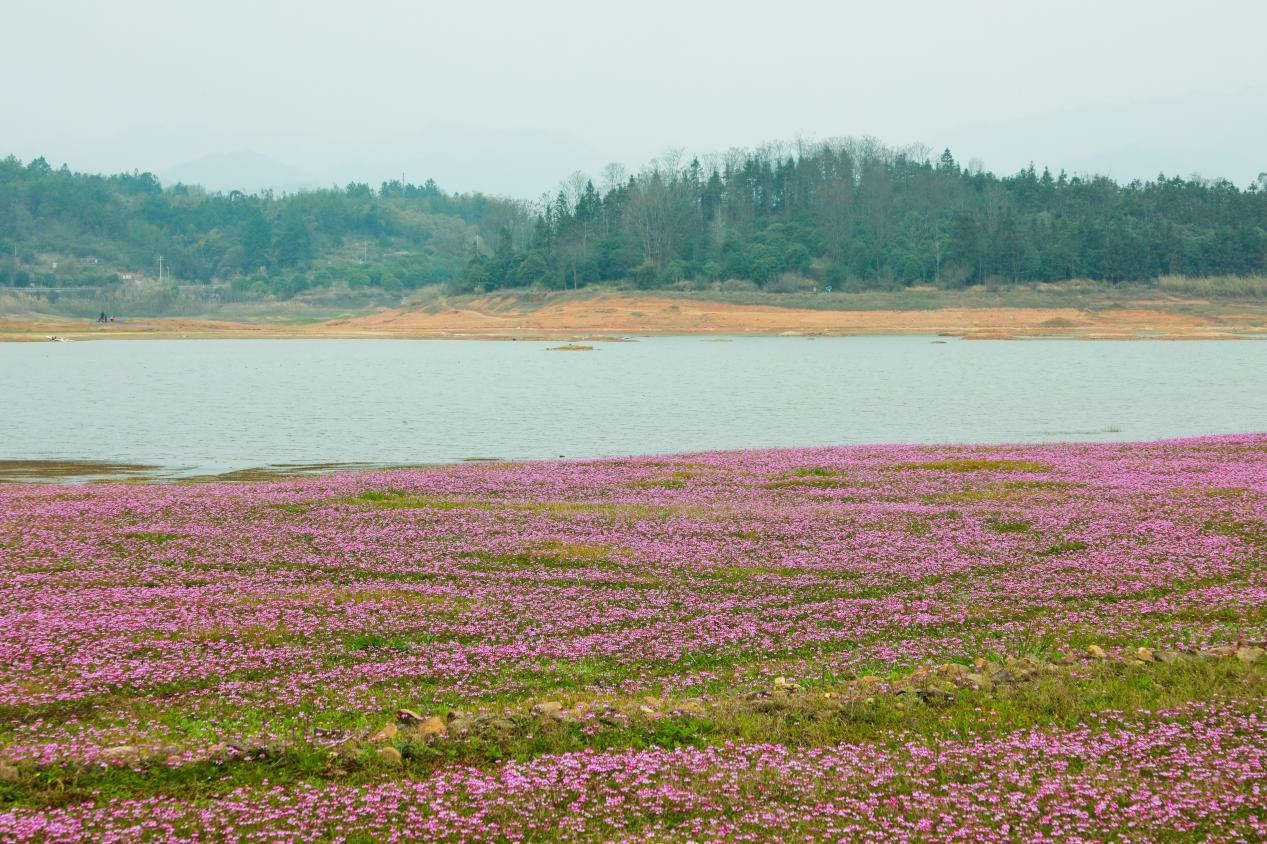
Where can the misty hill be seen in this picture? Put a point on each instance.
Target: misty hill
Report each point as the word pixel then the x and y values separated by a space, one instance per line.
pixel 1210 133
pixel 852 214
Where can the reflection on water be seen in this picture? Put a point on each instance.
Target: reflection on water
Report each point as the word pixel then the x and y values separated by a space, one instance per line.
pixel 207 407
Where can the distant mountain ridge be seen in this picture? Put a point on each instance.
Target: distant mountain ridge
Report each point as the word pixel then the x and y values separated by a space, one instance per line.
pixel 1213 135
pixel 245 170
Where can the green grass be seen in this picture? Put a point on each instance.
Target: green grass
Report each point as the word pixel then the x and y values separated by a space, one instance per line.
pixel 659 483
pixel 811 482
pixel 374 641
pixel 974 465
pixel 394 499
pixel 156 537
pixel 1062 700
pixel 1223 286
pixel 1063 547
pixel 1005 491
pixel 1069 294
pixel 1251 531
pixel 1007 526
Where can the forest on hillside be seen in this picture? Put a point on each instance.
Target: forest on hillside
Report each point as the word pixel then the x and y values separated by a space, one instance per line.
pixel 850 214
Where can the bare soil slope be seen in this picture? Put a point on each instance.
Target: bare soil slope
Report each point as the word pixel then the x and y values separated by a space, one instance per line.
pixel 563 316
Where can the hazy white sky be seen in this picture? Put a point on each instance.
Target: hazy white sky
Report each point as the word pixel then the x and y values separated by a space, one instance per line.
pixel 511 96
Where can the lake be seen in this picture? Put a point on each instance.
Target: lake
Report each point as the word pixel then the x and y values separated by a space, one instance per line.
pixel 200 407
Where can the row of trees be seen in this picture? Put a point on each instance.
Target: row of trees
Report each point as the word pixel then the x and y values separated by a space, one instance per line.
pixel 853 214
pixel 857 214
pixel 61 228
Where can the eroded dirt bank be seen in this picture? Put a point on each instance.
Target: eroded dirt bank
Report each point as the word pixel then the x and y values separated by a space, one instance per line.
pixel 562 316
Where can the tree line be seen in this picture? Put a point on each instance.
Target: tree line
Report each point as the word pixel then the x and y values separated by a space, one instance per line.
pixel 850 214
pixel 59 228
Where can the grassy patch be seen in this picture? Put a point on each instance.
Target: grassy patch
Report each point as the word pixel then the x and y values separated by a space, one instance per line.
pixel 394 499
pixel 154 536
pixel 658 483
pixel 1007 525
pixel 1063 547
pixel 811 482
pixel 974 465
pixel 1251 531
pixel 589 559
pixel 376 641
pixel 1063 699
pixel 1005 491
pixel 737 574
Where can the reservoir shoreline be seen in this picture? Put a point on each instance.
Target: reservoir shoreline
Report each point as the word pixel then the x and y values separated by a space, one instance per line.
pixel 613 316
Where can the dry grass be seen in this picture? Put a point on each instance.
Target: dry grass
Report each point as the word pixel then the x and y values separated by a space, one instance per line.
pixel 1221 286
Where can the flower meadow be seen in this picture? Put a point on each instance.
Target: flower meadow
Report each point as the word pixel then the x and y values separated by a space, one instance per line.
pixel 712 646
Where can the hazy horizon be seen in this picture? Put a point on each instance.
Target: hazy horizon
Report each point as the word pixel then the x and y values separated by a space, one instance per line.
pixel 510 99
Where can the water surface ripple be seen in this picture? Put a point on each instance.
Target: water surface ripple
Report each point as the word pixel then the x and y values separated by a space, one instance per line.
pixel 214 406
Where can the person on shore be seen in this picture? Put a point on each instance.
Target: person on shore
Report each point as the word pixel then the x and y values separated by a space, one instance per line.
pixel 102 318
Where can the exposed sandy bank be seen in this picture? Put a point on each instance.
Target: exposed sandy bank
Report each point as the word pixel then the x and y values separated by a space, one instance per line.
pixel 570 317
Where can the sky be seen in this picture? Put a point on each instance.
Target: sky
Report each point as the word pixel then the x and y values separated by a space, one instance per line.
pixel 511 97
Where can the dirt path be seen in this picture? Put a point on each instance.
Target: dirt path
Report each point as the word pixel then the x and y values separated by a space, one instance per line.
pixel 563 317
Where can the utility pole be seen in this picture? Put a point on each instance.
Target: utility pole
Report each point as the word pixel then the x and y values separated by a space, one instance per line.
pixel 160 269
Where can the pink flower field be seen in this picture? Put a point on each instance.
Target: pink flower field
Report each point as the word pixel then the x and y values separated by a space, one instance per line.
pixel 856 643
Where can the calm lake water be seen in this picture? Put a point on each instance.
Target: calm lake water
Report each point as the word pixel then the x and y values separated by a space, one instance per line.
pixel 214 406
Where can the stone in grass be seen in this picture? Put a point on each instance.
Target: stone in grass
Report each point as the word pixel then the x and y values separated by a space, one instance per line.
pixel 408 718
pixel 770 704
pixel 937 692
pixel 433 726
pixel 786 685
pixel 549 709
pixel 123 753
pixel 500 726
pixel 1097 652
pixel 1025 668
pixel 909 697
pixel 386 734
pixel 390 756
pixel 459 722
pixel 8 773
pixel 494 727
pixel 349 749
pixel 1250 655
